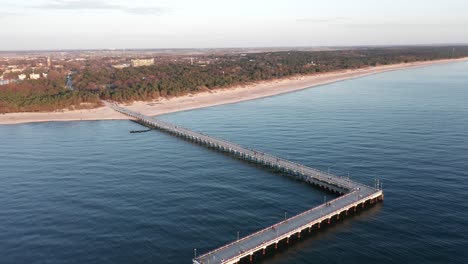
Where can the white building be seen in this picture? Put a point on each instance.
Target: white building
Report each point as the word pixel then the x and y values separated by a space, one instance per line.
pixel 121 66
pixel 142 62
pixel 34 76
pixel 22 76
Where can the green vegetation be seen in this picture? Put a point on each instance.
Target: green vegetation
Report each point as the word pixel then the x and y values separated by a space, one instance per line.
pixel 44 95
pixel 179 78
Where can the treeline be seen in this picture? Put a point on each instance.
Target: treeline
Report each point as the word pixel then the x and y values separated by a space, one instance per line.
pixel 178 78
pixel 44 95
pixel 175 79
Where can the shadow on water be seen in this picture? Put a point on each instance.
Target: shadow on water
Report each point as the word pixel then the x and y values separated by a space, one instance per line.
pixel 140 131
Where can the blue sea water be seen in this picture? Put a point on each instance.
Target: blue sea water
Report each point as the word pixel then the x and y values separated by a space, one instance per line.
pixel 91 192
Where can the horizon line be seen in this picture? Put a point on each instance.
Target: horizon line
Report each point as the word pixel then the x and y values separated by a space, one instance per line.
pixel 240 48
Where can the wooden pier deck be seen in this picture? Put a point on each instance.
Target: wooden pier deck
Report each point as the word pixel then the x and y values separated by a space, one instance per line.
pixel 353 194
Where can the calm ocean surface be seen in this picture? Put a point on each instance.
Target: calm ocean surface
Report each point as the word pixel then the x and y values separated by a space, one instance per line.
pixel 91 192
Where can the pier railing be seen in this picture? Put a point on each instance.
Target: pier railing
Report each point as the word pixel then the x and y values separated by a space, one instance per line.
pixel 306 171
pixel 354 193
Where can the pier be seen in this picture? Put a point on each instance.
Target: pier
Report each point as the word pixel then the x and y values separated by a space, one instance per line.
pixel 352 195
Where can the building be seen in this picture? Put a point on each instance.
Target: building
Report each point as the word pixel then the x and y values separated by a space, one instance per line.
pixel 49 62
pixel 34 76
pixel 142 62
pixel 13 70
pixel 22 76
pixel 121 66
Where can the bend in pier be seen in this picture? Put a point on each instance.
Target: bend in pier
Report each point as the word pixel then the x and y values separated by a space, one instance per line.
pixel 353 195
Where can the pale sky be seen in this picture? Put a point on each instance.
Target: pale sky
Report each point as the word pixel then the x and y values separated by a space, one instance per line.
pixel 103 24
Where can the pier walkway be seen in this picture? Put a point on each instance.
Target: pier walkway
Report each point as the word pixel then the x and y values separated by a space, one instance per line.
pixel 353 194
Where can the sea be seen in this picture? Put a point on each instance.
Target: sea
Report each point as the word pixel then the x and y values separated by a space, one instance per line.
pixel 91 192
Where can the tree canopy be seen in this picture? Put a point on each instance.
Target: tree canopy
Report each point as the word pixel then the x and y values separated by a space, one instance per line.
pixel 176 78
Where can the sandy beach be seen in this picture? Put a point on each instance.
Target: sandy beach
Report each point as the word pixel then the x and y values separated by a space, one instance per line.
pixel 214 97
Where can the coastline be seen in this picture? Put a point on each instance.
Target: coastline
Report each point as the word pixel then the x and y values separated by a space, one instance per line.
pixel 215 97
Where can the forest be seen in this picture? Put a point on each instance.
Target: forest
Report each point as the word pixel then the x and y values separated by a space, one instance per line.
pixel 175 78
pixel 44 95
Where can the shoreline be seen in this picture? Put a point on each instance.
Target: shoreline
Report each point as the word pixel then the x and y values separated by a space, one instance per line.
pixel 215 97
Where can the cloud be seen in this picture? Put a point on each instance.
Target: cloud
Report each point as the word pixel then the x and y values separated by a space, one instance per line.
pixel 6 14
pixel 400 25
pixel 313 20
pixel 99 5
pixel 321 20
pixel 145 11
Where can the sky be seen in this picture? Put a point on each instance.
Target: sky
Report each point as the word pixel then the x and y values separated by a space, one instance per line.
pixel 138 24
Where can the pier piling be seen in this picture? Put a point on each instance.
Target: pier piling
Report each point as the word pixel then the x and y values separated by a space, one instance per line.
pixel 352 194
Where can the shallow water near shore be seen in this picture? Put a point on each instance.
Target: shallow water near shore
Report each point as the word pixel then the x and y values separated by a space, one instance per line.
pixel 91 192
